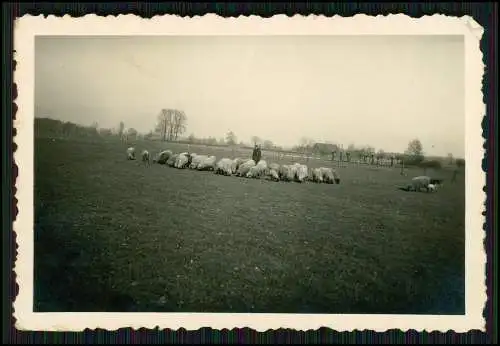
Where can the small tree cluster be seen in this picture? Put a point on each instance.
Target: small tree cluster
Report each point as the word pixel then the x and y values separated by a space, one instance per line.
pixel 414 153
pixel 171 123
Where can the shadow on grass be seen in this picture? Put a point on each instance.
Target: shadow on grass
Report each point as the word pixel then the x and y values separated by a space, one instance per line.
pixel 65 280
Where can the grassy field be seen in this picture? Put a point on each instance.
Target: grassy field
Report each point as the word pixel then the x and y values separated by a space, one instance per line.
pixel 112 235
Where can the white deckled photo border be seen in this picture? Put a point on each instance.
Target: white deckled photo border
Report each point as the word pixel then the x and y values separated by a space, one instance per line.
pixel 28 27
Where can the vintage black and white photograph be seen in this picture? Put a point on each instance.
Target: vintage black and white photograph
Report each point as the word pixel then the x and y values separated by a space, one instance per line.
pixel 259 173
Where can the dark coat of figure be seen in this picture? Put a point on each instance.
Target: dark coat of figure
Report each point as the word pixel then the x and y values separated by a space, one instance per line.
pixel 256 155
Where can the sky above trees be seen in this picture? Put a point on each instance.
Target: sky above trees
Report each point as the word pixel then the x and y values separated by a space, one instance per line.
pixel 381 91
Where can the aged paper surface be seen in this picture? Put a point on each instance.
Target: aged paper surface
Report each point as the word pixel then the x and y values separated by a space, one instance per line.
pixel 28 27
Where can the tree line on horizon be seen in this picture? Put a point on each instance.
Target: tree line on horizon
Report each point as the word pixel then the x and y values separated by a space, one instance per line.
pixel 171 124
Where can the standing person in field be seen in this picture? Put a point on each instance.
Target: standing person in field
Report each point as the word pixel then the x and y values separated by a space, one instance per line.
pixel 256 155
pixel 454 177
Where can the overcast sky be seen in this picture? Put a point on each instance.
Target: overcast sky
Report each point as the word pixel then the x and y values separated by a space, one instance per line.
pixel 381 91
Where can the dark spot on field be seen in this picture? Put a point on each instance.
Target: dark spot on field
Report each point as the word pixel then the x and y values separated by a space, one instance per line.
pixel 112 235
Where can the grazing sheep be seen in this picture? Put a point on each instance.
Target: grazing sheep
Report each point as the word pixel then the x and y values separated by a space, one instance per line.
pixel 336 176
pixel 285 173
pixel 244 168
pixel 301 174
pixel 273 175
pixel 293 171
pixel 330 176
pixel 431 188
pixel 207 164
pixel 253 172
pixel 131 153
pixel 419 183
pixel 223 167
pixel 171 160
pixel 145 157
pixel 236 164
pixel 274 166
pixel 182 161
pixel 258 170
pixel 317 175
pixel 162 157
pixel 273 172
pixel 196 160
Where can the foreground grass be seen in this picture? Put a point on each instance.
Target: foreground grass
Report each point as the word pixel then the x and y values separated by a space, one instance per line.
pixel 112 235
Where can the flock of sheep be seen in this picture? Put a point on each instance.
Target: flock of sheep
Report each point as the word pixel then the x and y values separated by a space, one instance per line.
pixel 250 169
pixel 241 167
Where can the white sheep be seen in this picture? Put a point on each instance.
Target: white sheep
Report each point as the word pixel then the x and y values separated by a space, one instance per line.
pixel 182 160
pixel 258 170
pixel 131 153
pixel 244 168
pixel 171 160
pixel 273 172
pixel 432 188
pixel 293 171
pixel 330 176
pixel 236 164
pixel 419 183
pixel 317 175
pixel 162 157
pixel 145 157
pixel 274 166
pixel 207 164
pixel 223 166
pixel 301 174
pixel 196 160
pixel 285 173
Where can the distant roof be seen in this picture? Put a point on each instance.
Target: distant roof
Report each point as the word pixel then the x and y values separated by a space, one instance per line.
pixel 326 146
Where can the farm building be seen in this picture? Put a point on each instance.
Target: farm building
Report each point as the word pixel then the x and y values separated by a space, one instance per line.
pixel 324 148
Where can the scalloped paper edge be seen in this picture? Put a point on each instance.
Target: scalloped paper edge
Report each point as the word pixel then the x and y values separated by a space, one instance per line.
pixel 27 27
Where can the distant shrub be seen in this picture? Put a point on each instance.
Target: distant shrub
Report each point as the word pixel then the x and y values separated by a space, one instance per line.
pixel 460 162
pixel 435 164
pixel 413 160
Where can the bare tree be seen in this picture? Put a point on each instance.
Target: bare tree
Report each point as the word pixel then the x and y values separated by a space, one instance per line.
pixel 178 123
pixel 121 128
pixel 163 123
pixel 171 123
pixel 231 138
pixel 414 152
